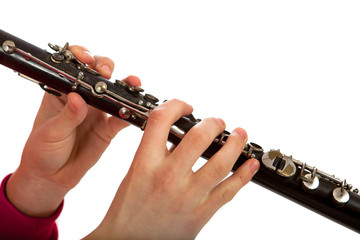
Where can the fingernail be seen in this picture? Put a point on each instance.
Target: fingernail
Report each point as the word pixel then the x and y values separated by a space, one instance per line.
pixel 88 54
pixel 241 132
pixel 254 166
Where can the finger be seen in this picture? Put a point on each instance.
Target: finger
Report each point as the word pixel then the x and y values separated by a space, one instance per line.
pixel 51 105
pixel 159 123
pixel 104 65
pixel 222 162
pixel 62 125
pixel 226 190
pixel 82 54
pixel 197 140
pixel 132 81
pixel 116 125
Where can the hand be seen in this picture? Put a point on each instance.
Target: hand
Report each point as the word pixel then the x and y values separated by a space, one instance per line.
pixel 161 197
pixel 67 139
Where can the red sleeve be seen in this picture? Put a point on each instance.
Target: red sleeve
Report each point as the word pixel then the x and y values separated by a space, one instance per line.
pixel 16 225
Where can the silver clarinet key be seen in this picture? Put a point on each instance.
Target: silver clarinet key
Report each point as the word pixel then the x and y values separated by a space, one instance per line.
pixel 340 194
pixel 279 163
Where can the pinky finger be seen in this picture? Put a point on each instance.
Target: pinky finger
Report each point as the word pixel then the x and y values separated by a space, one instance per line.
pixel 226 190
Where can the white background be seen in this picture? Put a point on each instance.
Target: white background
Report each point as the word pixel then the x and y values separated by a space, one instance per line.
pixel 286 71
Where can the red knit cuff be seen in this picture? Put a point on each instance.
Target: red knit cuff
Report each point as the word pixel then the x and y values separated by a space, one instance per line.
pixel 16 225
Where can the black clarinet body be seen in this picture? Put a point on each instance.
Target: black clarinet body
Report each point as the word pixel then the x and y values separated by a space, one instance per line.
pixel 59 72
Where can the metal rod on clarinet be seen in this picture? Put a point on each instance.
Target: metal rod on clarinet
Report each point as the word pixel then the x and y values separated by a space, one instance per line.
pixel 60 72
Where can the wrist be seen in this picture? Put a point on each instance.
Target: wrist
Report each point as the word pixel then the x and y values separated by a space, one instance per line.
pixel 33 196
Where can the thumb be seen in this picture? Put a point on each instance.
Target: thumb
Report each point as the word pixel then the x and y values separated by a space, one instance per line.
pixel 71 116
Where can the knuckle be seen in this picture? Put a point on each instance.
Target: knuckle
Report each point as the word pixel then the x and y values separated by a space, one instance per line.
pixel 200 136
pixel 227 195
pixel 214 125
pixel 206 131
pixel 220 171
pixel 100 60
pixel 158 114
pixel 110 61
pixel 166 112
pixel 75 48
pixel 241 182
pixel 177 103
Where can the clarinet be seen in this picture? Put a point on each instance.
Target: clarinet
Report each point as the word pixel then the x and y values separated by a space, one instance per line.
pixel 60 72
